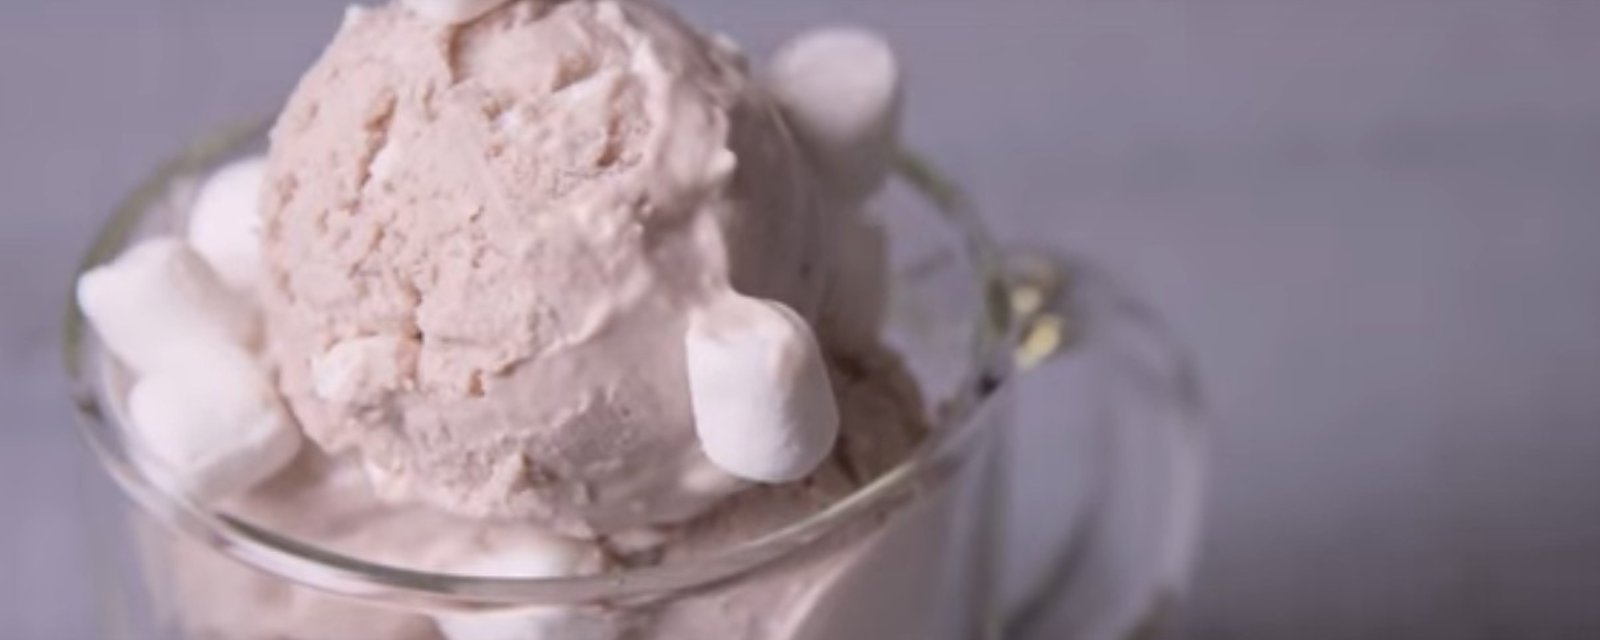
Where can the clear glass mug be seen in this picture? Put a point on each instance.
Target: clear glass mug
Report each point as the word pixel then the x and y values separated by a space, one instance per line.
pixel 968 318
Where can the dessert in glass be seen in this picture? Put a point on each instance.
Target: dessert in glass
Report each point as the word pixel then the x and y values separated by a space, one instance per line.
pixel 540 319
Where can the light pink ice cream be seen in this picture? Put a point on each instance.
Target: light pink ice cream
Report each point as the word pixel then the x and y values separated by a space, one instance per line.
pixel 482 243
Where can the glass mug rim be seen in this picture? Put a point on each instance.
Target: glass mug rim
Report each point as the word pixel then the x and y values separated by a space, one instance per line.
pixel 987 369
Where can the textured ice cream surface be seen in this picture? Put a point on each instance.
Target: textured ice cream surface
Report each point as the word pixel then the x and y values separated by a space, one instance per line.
pixel 489 237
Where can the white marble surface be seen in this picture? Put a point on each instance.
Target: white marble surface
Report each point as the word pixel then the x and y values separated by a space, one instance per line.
pixel 1376 221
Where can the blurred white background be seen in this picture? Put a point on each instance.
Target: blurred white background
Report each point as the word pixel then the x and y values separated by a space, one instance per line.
pixel 1375 220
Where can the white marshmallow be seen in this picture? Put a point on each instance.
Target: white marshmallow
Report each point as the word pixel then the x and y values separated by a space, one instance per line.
pixel 542 558
pixel 759 389
pixel 160 308
pixel 353 15
pixel 857 299
pixel 216 428
pixel 452 11
pixel 840 87
pixel 225 224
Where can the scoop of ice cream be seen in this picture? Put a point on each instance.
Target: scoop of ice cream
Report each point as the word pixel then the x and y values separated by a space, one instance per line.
pixel 483 242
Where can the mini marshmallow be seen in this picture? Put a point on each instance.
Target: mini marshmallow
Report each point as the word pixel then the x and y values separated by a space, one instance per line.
pixel 225 224
pixel 214 429
pixel 540 558
pixel 353 15
pixel 452 11
pixel 159 307
pixel 840 87
pixel 856 302
pixel 758 386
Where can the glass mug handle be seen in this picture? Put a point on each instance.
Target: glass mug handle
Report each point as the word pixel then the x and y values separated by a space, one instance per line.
pixel 1110 431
